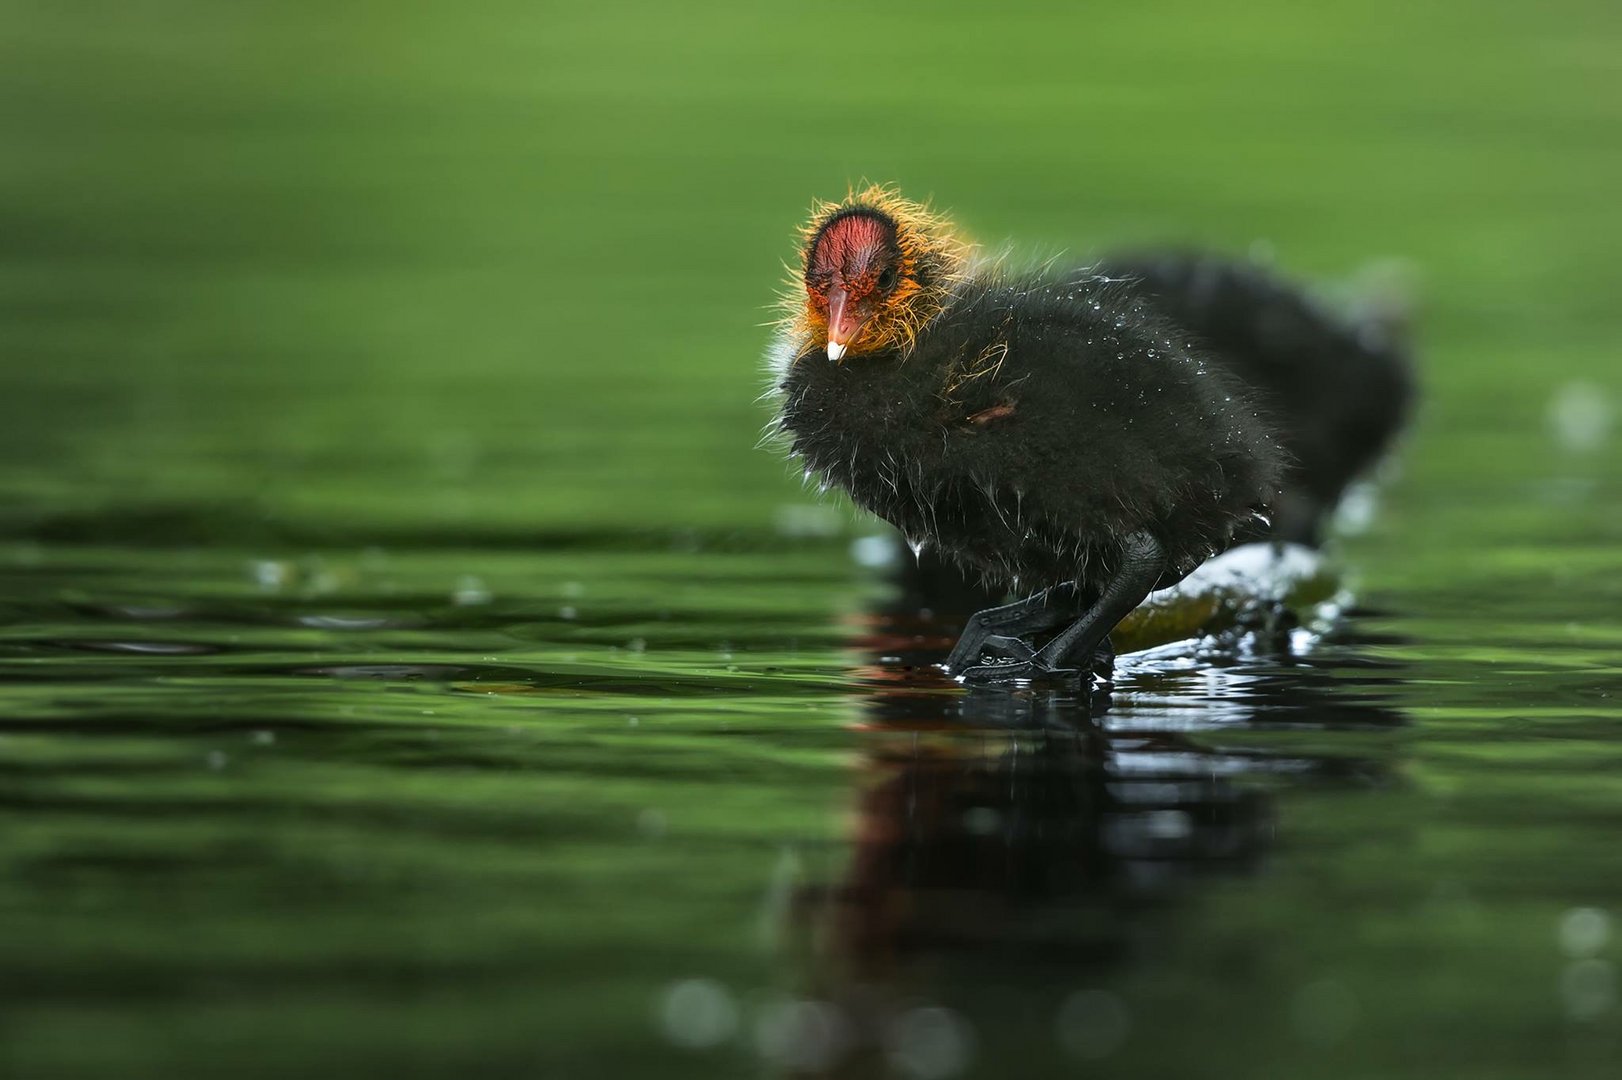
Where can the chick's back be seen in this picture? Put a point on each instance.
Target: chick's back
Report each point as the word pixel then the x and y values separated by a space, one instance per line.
pixel 1102 415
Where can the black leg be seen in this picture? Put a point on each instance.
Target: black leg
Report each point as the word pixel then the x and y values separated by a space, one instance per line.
pixel 1142 562
pixel 1038 612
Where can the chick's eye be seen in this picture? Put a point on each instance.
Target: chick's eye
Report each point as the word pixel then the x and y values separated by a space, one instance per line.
pixel 887 278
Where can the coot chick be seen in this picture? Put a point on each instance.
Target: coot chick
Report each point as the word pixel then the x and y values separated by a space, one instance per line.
pixel 1050 430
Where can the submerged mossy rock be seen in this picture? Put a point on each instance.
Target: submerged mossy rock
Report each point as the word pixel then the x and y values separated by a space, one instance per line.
pixel 1247 584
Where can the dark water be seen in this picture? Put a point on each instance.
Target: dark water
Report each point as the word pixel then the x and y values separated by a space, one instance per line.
pixel 407 665
pixel 564 811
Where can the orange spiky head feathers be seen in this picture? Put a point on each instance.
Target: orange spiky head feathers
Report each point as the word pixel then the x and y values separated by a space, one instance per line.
pixel 875 269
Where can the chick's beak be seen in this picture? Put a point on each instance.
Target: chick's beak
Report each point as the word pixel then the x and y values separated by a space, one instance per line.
pixel 842 324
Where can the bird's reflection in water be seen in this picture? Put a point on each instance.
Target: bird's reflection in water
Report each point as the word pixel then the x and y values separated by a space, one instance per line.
pixel 1008 833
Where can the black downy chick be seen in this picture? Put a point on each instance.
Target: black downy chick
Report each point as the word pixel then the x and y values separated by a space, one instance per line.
pixel 1052 431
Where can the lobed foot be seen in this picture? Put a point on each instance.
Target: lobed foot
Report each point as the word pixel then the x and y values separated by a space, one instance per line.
pixel 1005 629
pixel 1016 671
pixel 1001 648
pixel 969 654
pixel 1012 660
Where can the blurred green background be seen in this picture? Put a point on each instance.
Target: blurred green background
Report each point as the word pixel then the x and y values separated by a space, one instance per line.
pixel 358 356
pixel 517 256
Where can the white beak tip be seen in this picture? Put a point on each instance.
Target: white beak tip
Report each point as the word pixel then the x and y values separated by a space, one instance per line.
pixel 835 351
